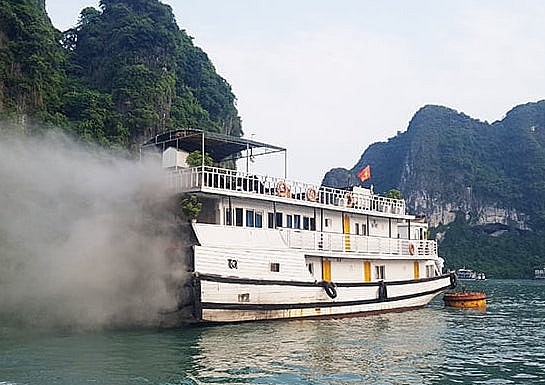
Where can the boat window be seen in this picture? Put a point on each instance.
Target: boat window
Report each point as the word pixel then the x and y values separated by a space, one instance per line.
pixel 326 222
pixel 306 223
pixel 380 272
pixel 310 267
pixel 279 220
pixel 270 217
pixel 238 216
pixel 296 221
pixel 250 218
pixel 313 224
pixel 357 229
pixel 289 220
pixel 363 229
pixel 275 267
pixel 259 219
pixel 228 217
pixel 430 271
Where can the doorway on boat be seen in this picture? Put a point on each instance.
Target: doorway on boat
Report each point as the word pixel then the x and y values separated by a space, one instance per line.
pixel 346 230
pixel 326 271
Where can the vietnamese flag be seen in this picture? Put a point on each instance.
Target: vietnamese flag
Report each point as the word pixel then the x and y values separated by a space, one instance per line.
pixel 365 173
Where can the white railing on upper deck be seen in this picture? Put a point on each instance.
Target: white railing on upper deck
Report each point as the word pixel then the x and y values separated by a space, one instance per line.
pixel 196 178
pixel 312 240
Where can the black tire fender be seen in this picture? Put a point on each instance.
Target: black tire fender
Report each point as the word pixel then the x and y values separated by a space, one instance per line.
pixel 453 280
pixel 330 289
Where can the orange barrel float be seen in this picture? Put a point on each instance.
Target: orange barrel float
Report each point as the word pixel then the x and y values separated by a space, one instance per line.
pixel 465 299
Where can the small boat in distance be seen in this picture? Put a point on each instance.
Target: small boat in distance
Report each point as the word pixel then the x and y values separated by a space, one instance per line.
pixel 259 247
pixel 465 274
pixel 468 274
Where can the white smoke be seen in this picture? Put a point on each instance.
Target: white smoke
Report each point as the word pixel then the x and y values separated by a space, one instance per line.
pixel 82 235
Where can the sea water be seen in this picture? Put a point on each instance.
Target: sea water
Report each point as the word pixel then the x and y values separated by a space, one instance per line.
pixel 435 345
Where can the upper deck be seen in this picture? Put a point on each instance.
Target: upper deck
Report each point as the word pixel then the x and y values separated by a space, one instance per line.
pixel 242 184
pixel 246 185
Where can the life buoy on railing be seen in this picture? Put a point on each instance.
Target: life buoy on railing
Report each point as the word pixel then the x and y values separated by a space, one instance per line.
pixel 330 289
pixel 282 189
pixel 349 200
pixel 411 248
pixel 311 194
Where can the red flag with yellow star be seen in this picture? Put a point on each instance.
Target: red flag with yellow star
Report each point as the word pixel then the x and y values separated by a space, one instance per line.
pixel 365 173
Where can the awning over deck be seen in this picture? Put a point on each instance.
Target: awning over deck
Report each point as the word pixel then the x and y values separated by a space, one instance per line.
pixel 219 146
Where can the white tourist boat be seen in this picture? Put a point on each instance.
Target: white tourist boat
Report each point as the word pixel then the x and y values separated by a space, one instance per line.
pixel 468 274
pixel 267 247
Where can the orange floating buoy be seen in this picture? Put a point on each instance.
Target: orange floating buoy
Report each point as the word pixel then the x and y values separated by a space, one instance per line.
pixel 473 300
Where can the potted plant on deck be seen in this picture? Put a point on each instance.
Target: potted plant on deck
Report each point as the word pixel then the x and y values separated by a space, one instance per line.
pixel 190 207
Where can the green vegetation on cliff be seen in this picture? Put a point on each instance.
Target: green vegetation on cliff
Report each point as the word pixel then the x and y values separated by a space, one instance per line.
pixel 123 74
pixel 31 62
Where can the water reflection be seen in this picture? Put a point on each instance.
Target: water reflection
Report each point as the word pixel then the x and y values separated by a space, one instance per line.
pixel 388 347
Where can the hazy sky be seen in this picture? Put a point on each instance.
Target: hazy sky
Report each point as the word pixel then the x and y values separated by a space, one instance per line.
pixel 327 79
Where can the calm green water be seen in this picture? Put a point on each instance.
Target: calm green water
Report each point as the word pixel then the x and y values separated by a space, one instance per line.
pixel 435 345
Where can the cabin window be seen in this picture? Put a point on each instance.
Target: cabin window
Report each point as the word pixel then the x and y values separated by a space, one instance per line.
pixel 296 221
pixel 270 217
pixel 326 222
pixel 363 229
pixel 228 217
pixel 313 224
pixel 238 216
pixel 306 223
pixel 275 267
pixel 430 271
pixel 310 267
pixel 250 218
pixel 259 219
pixel 357 229
pixel 289 221
pixel 380 272
pixel 279 220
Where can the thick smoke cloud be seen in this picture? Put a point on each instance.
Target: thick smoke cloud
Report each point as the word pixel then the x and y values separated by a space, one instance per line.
pixel 82 236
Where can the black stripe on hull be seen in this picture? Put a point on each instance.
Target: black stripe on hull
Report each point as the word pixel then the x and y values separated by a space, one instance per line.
pixel 248 281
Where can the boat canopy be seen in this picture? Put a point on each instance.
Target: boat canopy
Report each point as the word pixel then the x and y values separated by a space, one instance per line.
pixel 219 146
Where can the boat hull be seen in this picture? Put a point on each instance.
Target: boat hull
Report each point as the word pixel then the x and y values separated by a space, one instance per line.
pixel 236 300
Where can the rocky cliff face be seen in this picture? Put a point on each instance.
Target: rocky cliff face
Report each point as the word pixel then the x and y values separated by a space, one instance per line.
pixel 478 213
pixel 448 163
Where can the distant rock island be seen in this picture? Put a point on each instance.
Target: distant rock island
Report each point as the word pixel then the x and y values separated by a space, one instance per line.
pixel 481 185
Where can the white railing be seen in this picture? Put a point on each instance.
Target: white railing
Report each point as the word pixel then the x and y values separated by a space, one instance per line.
pixel 213 178
pixel 312 240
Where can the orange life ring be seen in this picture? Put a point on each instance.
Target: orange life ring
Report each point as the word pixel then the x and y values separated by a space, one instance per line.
pixel 348 199
pixel 411 248
pixel 311 194
pixel 282 189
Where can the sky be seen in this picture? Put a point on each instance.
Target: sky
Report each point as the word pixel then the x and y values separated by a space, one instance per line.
pixel 327 79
